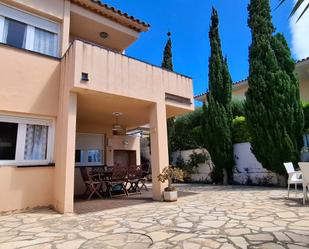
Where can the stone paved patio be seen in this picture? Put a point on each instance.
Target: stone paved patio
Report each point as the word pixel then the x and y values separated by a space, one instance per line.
pixel 217 217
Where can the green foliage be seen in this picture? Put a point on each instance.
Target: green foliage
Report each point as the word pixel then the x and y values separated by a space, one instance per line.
pixel 238 107
pixel 305 106
pixel 169 174
pixel 240 130
pixel 192 164
pixel 186 132
pixel 167 62
pixel 170 130
pixel 218 113
pixel 273 112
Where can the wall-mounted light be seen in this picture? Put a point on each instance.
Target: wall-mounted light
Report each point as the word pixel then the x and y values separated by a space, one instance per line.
pixel 103 35
pixel 85 76
pixel 125 142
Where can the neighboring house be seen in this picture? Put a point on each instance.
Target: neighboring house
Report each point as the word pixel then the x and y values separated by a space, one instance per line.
pixel 240 88
pixel 68 95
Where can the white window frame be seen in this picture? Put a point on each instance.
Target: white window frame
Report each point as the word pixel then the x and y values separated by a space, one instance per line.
pixel 21 139
pixel 2 21
pixel 31 22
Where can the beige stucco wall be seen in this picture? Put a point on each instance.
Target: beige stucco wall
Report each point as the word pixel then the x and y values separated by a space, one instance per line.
pixel 240 92
pixel 50 8
pixel 30 86
pixel 114 73
pixel 30 81
pixel 22 188
pixel 304 89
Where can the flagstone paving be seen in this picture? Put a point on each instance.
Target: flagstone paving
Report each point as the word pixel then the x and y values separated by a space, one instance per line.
pixel 222 217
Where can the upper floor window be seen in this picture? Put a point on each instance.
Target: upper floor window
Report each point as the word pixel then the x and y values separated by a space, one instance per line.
pixel 22 30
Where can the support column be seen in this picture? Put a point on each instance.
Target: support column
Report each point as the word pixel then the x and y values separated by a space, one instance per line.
pixel 65 32
pixel 159 147
pixel 65 153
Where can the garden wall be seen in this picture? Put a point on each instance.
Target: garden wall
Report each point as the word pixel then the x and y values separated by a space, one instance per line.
pixel 203 170
pixel 248 170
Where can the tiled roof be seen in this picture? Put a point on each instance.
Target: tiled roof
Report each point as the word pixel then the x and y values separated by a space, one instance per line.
pixel 200 95
pixel 139 25
pixel 302 60
pixel 242 81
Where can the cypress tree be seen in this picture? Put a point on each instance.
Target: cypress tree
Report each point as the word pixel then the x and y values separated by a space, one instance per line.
pixel 273 109
pixel 218 114
pixel 167 63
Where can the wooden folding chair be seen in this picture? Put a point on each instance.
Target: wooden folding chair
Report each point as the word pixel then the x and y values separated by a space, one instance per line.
pixel 118 179
pixel 145 172
pixel 134 176
pixel 92 186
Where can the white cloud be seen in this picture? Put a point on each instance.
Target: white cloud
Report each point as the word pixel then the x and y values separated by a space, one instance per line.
pixel 300 33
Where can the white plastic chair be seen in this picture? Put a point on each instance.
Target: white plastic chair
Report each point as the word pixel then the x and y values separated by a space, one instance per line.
pixel 294 177
pixel 305 173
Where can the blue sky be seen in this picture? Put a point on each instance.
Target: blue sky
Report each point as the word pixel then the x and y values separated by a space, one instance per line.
pixel 189 20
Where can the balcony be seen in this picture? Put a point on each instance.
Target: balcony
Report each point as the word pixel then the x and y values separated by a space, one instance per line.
pixel 90 67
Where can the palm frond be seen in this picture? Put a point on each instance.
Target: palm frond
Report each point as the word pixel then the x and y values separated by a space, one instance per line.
pixel 296 7
pixel 304 11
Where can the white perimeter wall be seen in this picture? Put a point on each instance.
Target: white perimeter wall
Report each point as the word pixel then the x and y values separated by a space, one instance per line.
pixel 247 168
pixel 203 170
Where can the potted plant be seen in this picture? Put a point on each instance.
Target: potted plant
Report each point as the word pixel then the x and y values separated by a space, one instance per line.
pixel 169 174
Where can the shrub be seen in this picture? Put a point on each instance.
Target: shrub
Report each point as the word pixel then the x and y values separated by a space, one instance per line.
pixel 187 131
pixel 305 106
pixel 190 167
pixel 240 132
pixel 238 107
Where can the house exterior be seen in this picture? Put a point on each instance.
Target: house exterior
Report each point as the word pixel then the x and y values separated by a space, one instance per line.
pixel 66 88
pixel 240 88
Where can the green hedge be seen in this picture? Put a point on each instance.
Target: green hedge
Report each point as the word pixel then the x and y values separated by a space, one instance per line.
pixel 240 130
pixel 238 107
pixel 305 106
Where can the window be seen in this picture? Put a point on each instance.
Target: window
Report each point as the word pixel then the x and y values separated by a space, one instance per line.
pixel 15 33
pixel 8 136
pixel 23 30
pixel 78 156
pixel 45 42
pixel 94 156
pixel 91 157
pixel 25 141
pixel 89 149
pixel 36 142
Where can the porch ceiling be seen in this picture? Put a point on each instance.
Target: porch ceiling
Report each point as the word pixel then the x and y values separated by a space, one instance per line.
pixel 82 27
pixel 97 108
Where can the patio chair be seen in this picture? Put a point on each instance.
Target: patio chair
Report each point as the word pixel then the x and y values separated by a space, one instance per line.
pixel 294 177
pixel 305 174
pixel 118 179
pixel 93 186
pixel 134 176
pixel 145 173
